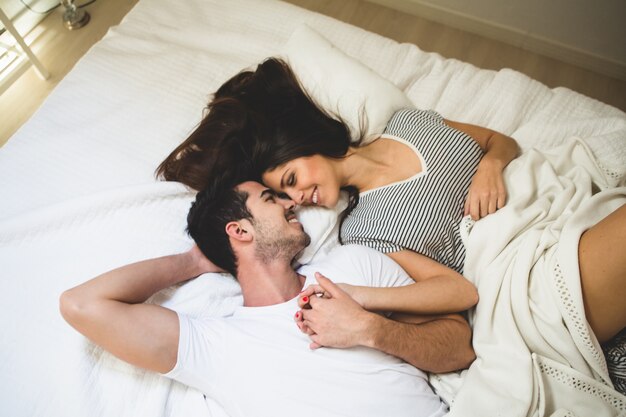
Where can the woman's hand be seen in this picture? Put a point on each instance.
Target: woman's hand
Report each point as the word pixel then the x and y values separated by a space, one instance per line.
pixel 487 192
pixel 330 316
pixel 317 290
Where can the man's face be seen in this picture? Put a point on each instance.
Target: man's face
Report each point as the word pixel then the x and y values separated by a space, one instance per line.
pixel 277 232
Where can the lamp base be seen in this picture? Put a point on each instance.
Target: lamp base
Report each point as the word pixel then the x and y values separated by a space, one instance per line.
pixel 75 19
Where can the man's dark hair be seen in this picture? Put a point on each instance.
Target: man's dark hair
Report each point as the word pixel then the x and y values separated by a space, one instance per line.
pixel 257 121
pixel 213 209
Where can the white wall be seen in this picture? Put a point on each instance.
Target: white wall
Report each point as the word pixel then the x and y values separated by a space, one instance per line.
pixel 588 33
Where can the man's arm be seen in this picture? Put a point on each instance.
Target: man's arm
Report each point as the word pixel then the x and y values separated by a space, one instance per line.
pixel 431 343
pixel 109 309
pixel 439 344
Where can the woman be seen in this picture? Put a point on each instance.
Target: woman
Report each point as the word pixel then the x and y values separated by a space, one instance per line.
pixel 409 188
pixel 411 184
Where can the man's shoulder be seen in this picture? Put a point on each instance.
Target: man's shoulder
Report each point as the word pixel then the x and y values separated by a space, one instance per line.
pixel 359 261
pixel 353 255
pixel 345 255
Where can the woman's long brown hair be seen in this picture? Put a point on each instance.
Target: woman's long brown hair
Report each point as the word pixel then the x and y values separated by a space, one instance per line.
pixel 257 121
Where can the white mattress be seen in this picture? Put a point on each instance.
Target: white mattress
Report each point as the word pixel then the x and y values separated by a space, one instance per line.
pixel 78 196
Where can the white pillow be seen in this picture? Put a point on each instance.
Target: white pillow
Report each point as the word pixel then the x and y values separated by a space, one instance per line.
pixel 322 225
pixel 345 86
pixel 341 84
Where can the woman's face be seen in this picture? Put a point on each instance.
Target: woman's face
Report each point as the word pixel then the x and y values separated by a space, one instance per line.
pixel 309 181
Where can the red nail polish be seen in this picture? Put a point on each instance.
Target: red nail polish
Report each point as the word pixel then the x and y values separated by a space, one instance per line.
pixel 305 299
pixel 298 315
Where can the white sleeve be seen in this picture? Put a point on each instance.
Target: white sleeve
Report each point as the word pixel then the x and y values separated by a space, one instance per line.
pixel 196 352
pixel 370 267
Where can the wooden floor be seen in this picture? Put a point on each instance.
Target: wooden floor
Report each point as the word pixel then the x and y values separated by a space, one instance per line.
pixel 477 50
pixel 59 49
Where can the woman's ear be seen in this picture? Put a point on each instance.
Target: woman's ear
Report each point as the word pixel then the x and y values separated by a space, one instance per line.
pixel 238 231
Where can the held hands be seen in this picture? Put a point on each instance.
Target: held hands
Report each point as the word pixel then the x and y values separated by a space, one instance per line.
pixel 352 291
pixel 330 316
pixel 487 192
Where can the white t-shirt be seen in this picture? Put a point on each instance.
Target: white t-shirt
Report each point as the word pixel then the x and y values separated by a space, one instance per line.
pixel 257 363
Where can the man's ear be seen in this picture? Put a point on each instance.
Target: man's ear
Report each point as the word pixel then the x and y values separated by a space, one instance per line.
pixel 238 231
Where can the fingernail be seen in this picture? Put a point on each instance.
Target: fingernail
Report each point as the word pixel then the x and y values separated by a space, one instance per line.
pixel 305 299
pixel 298 315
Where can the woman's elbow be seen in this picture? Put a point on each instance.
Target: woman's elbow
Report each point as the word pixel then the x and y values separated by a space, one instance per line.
pixel 474 297
pixel 471 296
pixel 71 306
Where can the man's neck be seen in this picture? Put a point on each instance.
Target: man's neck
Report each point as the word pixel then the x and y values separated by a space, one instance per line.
pixel 268 284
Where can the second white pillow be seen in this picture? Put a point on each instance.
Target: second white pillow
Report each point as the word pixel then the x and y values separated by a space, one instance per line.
pixel 341 84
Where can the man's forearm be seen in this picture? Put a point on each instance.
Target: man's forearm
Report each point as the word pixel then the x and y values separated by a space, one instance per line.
pixel 441 345
pixel 431 343
pixel 109 310
pixel 135 283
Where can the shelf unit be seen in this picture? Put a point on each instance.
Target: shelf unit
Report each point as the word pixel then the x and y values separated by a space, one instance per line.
pixel 24 57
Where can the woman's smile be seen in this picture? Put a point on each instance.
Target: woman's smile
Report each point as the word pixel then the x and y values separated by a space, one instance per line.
pixel 303 179
pixel 315 197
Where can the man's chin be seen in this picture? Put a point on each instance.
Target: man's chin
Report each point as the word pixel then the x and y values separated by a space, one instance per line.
pixel 303 244
pixel 306 240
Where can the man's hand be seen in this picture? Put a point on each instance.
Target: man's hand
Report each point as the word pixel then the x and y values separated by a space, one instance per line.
pixel 110 309
pixel 433 343
pixel 204 265
pixel 331 317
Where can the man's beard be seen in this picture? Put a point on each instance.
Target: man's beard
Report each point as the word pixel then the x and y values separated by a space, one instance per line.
pixel 271 247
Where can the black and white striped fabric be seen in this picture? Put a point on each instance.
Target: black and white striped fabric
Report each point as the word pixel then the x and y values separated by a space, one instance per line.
pixel 615 354
pixel 421 213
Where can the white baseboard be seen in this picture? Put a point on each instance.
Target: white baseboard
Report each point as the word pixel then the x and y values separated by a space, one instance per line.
pixel 512 36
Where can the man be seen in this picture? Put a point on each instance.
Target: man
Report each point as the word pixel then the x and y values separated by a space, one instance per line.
pixel 257 362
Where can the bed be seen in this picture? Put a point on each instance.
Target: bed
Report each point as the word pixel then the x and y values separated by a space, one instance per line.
pixel 79 195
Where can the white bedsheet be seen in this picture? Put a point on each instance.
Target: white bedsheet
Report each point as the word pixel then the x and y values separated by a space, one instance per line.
pixel 536 354
pixel 78 196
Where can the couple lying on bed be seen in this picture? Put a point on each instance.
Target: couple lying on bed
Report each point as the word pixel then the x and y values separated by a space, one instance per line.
pixel 409 190
pixel 256 362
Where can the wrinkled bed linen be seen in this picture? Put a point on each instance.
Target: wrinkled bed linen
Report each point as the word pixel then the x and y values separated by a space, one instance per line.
pixel 536 355
pixel 79 197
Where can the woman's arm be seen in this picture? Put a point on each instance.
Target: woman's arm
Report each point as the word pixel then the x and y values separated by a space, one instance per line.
pixel 487 192
pixel 437 289
pixel 440 343
pixel 109 309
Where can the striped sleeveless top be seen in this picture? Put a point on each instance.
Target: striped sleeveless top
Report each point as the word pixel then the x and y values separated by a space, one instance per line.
pixel 423 212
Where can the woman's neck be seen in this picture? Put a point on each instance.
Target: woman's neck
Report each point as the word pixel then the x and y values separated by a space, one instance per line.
pixel 382 162
pixel 364 167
